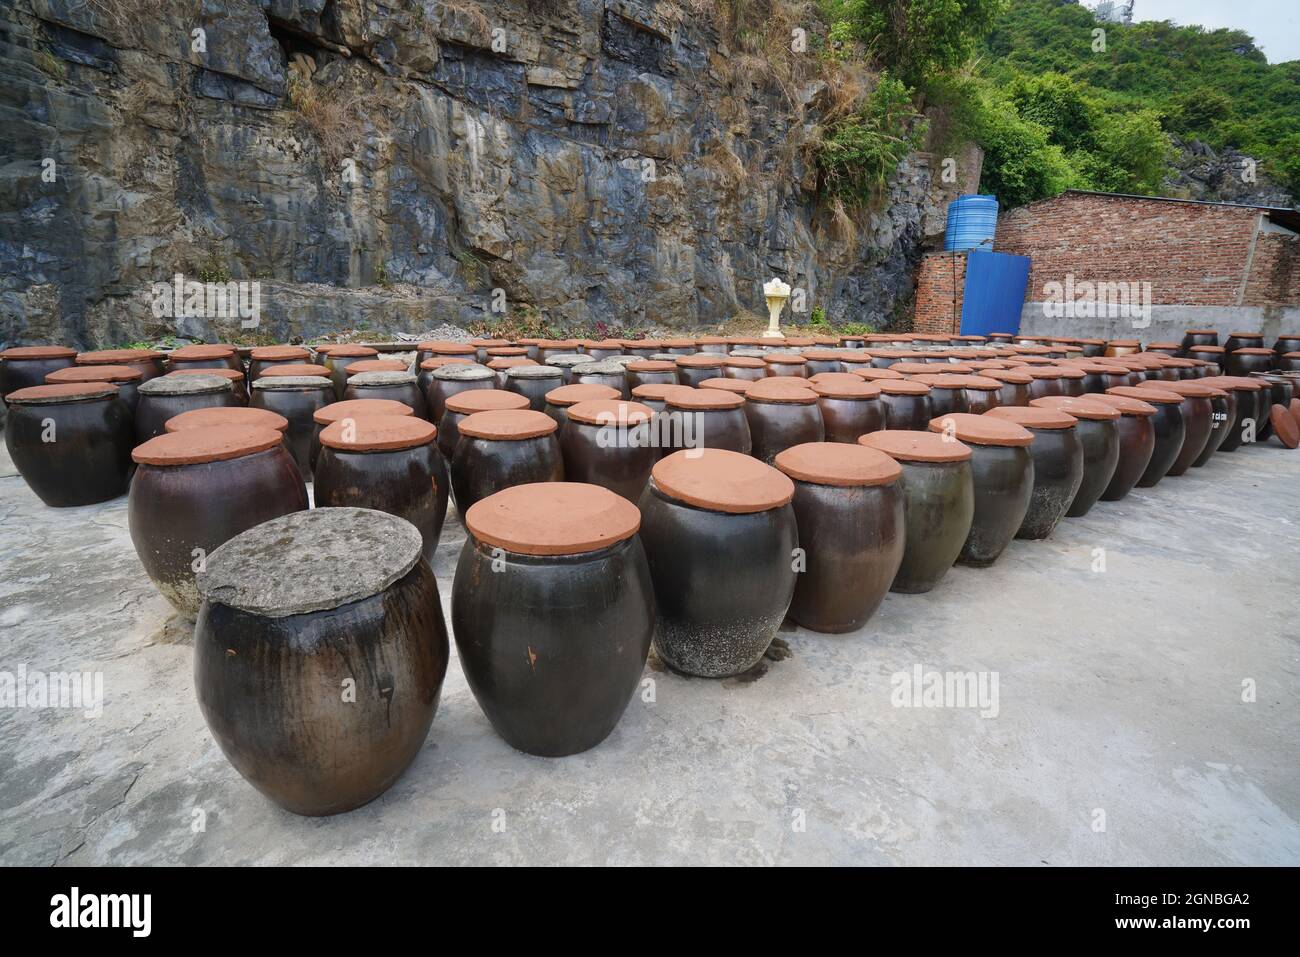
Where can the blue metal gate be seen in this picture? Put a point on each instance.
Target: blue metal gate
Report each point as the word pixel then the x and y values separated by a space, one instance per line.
pixel 994 293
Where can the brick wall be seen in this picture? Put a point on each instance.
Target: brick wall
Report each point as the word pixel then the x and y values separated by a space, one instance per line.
pixel 1274 271
pixel 938 309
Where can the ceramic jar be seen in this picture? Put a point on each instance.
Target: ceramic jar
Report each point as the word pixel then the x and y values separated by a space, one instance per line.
pixel 1122 347
pixel 567 362
pixel 1286 343
pixel 1165 348
pixel 1058 466
pixel 24 366
pixel 717 345
pixel 337 358
pixel 1072 382
pixel 1136 432
pixel 1098 430
pixel 297 608
pixel 654 395
pixel 1169 428
pixel 1223 405
pixel 817 361
pixel 907 405
pixel 392 386
pixel 1013 385
pixel 443 349
pixel 481 347
pixel 947 393
pixel 298 399
pixel 1198 337
pixel 348 411
pixel 720 535
pixel 694 369
pixel 850 407
pixel 533 382
pixel 702 418
pixel 1211 354
pixel 200 356
pixel 1198 420
pixel 786 364
pixel 168 396
pixel 465 404
pixel 548 348
pixel 1242 340
pixel 71 442
pixel 744 367
pixel 263 358
pixel 126 378
pixel 604 349
pixel 1244 404
pixel 849 511
pixel 651 372
pixel 149 362
pixel 196 489
pixel 448 380
pixel 500 449
pixel 560 399
pixel 780 415
pixel 604 373
pixel 608 442
pixel 1248 360
pixel 1046 381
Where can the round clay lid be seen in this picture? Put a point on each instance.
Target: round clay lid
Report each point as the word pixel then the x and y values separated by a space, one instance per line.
pixel 489 343
pixel 904 387
pixel 200 384
pixel 507 425
pixel 1152 394
pixel 821 355
pixel 1043 372
pixel 701 360
pixel 1246 335
pixel 834 377
pixel 605 344
pixel 738 386
pixel 1291 355
pixel 785 393
pixel 378 433
pixel 1194 388
pixel 711 341
pixel 1035 417
pixel 116 356
pixel 508 352
pixel 793 381
pixel 838 464
pixel 915 368
pixel 61 393
pixel 651 365
pixel 278 353
pixel 534 372
pixel 1201 332
pixel 652 344
pixel 722 481
pixel 981 430
pixel 854 356
pixel 230 375
pixel 292 383
pixel 849 386
pixel 581 392
pixel 485 400
pixel 294 369
pixel 944 380
pixel 1231 382
pixel 93 374
pixel 1252 351
pixel 1009 376
pixel 553 518
pixel 1122 403
pixel 443 347
pixel 1214 349
pixel 201 352
pixel 658 391
pixel 878 375
pixel 705 399
pixel 374 365
pixel 567 344
pixel 1078 407
pixel 610 412
pixel 354 408
pixel 784 359
pixel 462 372
pixel 215 444
pixel 363 380
pixel 904 445
pixel 37 352
pixel 314 560
pixel 226 415
pixel 437 362
pixel 346 351
pixel 745 362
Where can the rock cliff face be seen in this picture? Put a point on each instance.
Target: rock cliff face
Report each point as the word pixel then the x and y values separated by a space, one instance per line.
pixel 1223 177
pixel 394 165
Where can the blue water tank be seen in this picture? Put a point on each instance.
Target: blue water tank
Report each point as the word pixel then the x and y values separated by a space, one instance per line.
pixel 972 221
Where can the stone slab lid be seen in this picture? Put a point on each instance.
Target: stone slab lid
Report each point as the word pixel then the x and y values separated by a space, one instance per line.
pixel 364 380
pixel 215 444
pixel 581 392
pixel 230 375
pixel 610 412
pixel 445 347
pixel 278 353
pixel 1124 404
pixel 352 408
pixel 722 481
pixel 1078 407
pixel 437 362
pixel 533 371
pixel 600 367
pixel 905 445
pixel 470 372
pixel 692 399
pixel 903 387
pixel 838 464
pixel 291 383
pixel 345 351
pixel 553 518
pixel 485 400
pixel 94 374
pixel 223 415
pixel 845 386
pixel 981 430
pixel 117 356
pixel 201 352
pixel 1034 418
pixel 701 360
pixel 652 365
pixel 201 383
pixel 61 393
pixel 378 433
pixel 507 425
pixel 18 353
pixel 374 365
pixel 782 393
pixel 313 560
pixel 294 369
pixel 658 391
pixel 738 386
pixel 1149 394
pixel 567 360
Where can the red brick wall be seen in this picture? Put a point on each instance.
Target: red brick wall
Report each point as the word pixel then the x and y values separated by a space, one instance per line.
pixel 1274 271
pixel 936 308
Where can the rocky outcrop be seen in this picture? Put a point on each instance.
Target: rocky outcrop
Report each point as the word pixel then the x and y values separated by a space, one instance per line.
pixel 414 161
pixel 1222 177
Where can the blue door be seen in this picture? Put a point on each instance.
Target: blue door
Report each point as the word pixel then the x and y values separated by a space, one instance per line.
pixel 994 293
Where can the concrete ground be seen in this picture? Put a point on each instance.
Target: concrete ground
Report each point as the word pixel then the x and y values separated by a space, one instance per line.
pixel 1121 734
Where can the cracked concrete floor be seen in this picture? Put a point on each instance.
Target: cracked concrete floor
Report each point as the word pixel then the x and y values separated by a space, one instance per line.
pixel 1121 736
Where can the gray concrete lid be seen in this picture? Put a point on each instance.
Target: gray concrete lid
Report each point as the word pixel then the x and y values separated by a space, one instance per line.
pixel 313 560
pixel 293 383
pixel 603 367
pixel 623 360
pixel 382 378
pixel 567 359
pixel 465 372
pixel 534 372
pixel 185 385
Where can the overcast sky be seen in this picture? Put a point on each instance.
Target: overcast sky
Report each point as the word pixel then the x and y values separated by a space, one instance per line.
pixel 1275 24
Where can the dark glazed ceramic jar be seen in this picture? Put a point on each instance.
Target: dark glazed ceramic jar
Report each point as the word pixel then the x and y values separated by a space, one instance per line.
pixel 938 503
pixel 1046 381
pixel 1246 361
pixel 1287 342
pixel 607 442
pixel 692 370
pixel 1244 402
pixel 1198 420
pixel 818 361
pixel 604 349
pixel 786 363
pixel 444 349
pixel 464 404
pixel 1165 348
pixel 907 405
pixel 1072 382
pixel 389 463
pixel 168 396
pixel 1212 354
pixel 195 490
pixel 781 415
pixel 236 379
pixel 849 510
pixel 1243 340
pixel 1223 406
pixel 504 448
pixel 481 347
pixel 426 369
pixel 261 359
pixel 298 399
pixel 720 535
pixel 1014 385
pixel 717 345
pixel 1169 428
pixel 947 393
pixel 1098 429
pixel 148 362
pixel 1058 466
pixel 744 367
pixel 654 395
pixel 24 366
pixel 850 407
pixel 533 382
pixel 204 357
pixel 338 358
pixel 351 409
pixel 553 613
pixel 319 655
pixel 1002 475
pixel 1123 347
pixel 1137 440
pixel 448 380
pixel 558 400
pixel 568 361
pixel 604 373
pixel 1290 362
pixel 651 372
pixel 392 386
pixel 702 419
pixel 71 442
pixel 125 378
pixel 1198 337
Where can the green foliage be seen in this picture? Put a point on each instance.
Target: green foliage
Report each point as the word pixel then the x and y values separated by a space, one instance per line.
pixel 858 329
pixel 864 149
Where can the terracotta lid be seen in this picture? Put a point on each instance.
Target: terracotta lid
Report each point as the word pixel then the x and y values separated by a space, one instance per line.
pixel 363 380
pixel 60 393
pixel 651 365
pixel 1197 348
pixel 944 380
pixel 914 368
pixel 530 341
pixel 354 408
pixel 788 393
pixel 38 352
pixel 1164 345
pixel 201 383
pixel 784 359
pixel 904 387
pixel 1294 407
pixel 705 399
pixel 1149 394
pixel 745 362
pixel 722 481
pixel 905 445
pixel 678 343
pixel 507 425
pixel 702 360
pixel 374 365
pixel 711 341
pixel 561 344
pixel 1246 335
pixel 794 381
pixel 294 369
pixel 1034 417
pixel 231 375
pixel 657 391
pixel 799 342
pixel 468 372
pixel 1291 355
pixel 1043 372
pixel 201 352
pixel 490 343
pixel 93 374
pixel 878 375
pixel 1096 368
pixel 1070 372
pixel 1231 382
pixel 981 430
pixel 553 518
pixel 378 433
pixel 603 344
pixel 846 387
pixel 610 412
pixel 216 444
pixel 655 344
pixel 1124 342
pixel 1176 363
pixel 1080 408
pixel 346 351
pixel 223 415
pixel 508 352
pixel 485 400
pixel 116 356
pixel 834 377
pixel 838 464
pixel 855 357
pixel 1122 403
pixel 1196 388
pixel 1036 362
pixel 532 371
pixel 1010 376
pixel 599 367
pixel 278 353
pixel 738 386
pixel 291 383
pixel 1201 332
pixel 1252 352
pixel 821 355
pixel 444 347
pixel 582 392
pixel 510 362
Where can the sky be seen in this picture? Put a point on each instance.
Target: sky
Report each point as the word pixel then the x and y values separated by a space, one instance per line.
pixel 1275 24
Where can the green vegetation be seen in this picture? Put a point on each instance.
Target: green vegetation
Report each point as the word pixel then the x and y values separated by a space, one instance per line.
pixel 862 150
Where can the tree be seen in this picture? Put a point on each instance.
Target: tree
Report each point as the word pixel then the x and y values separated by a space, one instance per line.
pixel 914 37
